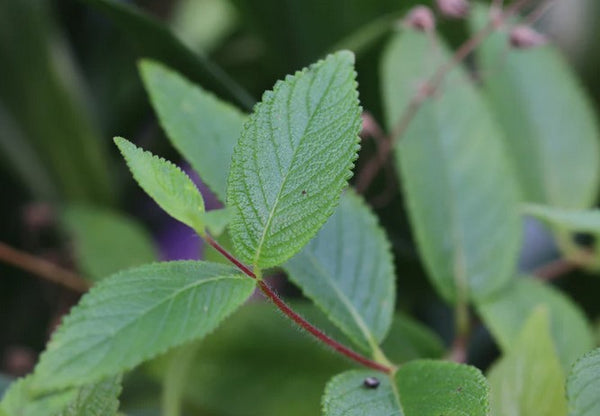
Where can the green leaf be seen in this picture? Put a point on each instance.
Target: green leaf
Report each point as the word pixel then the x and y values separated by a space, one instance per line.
pixel 137 314
pixel 156 41
pixel 461 195
pixel 168 185
pixel 583 385
pixel 293 160
pixel 434 388
pixel 202 128
pixel 348 271
pixel 549 123
pixel 346 395
pixel 106 241
pixel 504 315
pixel 409 339
pixel 97 399
pixel 217 220
pixel 529 381
pixel 259 352
pixel 567 219
pixel 176 377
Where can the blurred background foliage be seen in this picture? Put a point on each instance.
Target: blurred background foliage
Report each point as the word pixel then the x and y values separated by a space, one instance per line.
pixel 69 83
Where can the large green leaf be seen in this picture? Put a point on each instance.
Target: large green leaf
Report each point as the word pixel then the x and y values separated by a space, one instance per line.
pixel 156 41
pixel 203 128
pixel 259 352
pixel 461 195
pixel 348 270
pixel 293 160
pixel 137 314
pixel 529 381
pixel 96 399
pixel 106 241
pixel 434 388
pixel 347 395
pixel 550 126
pixel 168 185
pixel 504 313
pixel 583 385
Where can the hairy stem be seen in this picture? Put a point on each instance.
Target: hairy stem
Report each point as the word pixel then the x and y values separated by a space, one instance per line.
pixel 42 268
pixel 299 320
pixel 373 166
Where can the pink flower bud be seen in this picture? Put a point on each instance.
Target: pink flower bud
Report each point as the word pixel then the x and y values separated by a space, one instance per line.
pixel 421 18
pixel 455 9
pixel 524 37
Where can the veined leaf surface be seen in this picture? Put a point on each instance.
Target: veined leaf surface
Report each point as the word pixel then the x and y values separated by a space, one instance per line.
pixel 293 159
pixel 348 270
pixel 137 314
pixel 583 385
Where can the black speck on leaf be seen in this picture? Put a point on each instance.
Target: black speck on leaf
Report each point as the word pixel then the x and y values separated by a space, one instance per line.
pixel 371 382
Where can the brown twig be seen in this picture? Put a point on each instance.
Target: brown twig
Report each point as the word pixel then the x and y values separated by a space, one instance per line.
pixel 555 269
pixel 42 268
pixel 373 166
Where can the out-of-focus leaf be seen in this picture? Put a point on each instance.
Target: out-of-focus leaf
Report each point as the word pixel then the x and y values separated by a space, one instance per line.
pixel 461 195
pixel 136 315
pixel 408 340
pixel 106 241
pixel 293 160
pixel 260 352
pixel 156 41
pixel 433 388
pixel 347 395
pixel 348 271
pixel 583 385
pixel 175 380
pixel 203 128
pixel 528 380
pixel 41 91
pixel 549 123
pixel 504 315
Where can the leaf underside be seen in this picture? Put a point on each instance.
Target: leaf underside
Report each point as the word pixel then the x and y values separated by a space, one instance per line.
pixel 583 385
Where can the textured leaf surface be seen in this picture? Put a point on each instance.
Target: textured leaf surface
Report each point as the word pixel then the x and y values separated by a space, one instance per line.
pixel 293 160
pixel 409 339
pixel 97 399
pixel 461 195
pixel 434 388
pixel 106 241
pixel 348 270
pixel 260 352
pixel 137 314
pixel 529 381
pixel 203 128
pixel 168 185
pixel 583 385
pixel 504 316
pixel 550 126
pixel 346 395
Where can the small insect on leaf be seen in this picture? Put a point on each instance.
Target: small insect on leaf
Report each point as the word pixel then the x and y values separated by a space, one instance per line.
pixel 371 382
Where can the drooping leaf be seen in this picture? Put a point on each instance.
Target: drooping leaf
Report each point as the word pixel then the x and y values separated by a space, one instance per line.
pixel 528 380
pixel 549 123
pixel 156 41
pixel 203 128
pixel 433 388
pixel 347 395
pixel 408 340
pixel 583 385
pixel 96 399
pixel 137 314
pixel 168 185
pixel 293 160
pixel 504 316
pixel 348 271
pixel 106 241
pixel 461 195
pixel 259 352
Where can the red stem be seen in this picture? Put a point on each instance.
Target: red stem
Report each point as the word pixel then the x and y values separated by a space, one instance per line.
pixel 303 323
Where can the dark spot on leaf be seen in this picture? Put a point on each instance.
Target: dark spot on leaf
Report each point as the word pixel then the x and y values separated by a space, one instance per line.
pixel 303 192
pixel 371 382
pixel 459 389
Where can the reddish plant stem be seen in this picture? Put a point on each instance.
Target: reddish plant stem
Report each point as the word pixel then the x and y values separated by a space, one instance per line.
pixel 43 268
pixel 290 313
pixel 373 166
pixel 555 269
